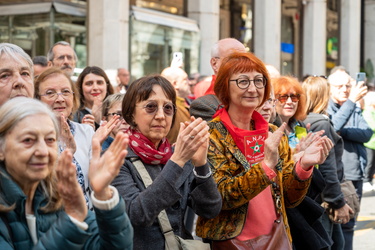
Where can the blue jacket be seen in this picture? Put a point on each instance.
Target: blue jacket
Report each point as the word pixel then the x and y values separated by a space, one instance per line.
pixel 55 230
pixel 349 123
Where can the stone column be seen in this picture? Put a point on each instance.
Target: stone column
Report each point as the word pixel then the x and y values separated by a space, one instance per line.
pixel 370 31
pixel 314 37
pixel 206 13
pixel 108 33
pixel 350 25
pixel 267 28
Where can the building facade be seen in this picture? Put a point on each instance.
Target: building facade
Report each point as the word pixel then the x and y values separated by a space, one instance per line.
pixel 298 37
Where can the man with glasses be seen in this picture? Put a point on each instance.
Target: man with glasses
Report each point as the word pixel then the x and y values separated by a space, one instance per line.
pixel 206 106
pixel 347 119
pixel 62 55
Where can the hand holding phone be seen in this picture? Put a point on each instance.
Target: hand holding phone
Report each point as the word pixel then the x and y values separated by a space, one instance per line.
pixel 177 60
pixel 361 77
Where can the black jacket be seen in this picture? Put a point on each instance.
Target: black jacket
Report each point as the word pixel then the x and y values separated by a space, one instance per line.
pixel 332 169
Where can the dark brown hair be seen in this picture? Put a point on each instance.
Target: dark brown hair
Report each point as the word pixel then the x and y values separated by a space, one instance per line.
pixel 239 62
pixel 96 71
pixel 140 90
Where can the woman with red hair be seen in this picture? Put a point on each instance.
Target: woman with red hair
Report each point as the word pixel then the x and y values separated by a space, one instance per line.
pixel 290 107
pixel 253 168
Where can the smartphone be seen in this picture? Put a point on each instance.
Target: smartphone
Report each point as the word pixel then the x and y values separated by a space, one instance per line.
pixel 177 60
pixel 177 55
pixel 361 77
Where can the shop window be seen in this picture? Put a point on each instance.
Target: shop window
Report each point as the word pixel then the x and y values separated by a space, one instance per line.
pixel 176 7
pixel 153 45
pixel 34 33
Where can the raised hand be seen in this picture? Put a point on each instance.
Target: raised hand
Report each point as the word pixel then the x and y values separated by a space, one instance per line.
pixel 106 128
pixel 316 152
pixel 103 169
pixel 66 136
pixel 192 143
pixel 358 91
pixel 97 109
pixel 200 156
pixel 271 152
pixel 304 143
pixel 68 187
pixel 89 120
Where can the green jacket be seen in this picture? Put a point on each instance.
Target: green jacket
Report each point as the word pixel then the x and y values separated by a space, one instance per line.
pixel 238 183
pixel 56 230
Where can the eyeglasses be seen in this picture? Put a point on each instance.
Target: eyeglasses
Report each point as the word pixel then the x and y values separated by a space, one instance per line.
pixel 271 102
pixel 284 98
pixel 115 113
pixel 152 107
pixel 51 94
pixel 244 83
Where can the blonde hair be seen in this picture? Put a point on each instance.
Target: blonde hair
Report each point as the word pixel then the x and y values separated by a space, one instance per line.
pixel 317 93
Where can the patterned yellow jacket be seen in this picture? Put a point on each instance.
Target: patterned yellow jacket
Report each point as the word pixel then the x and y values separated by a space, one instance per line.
pixel 238 183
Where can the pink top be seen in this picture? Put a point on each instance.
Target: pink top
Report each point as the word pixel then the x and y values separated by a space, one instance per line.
pixel 261 212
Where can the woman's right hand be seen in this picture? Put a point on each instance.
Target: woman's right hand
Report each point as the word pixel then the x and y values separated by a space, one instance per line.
pixel 271 152
pixel 343 214
pixel 191 143
pixel 68 187
pixel 106 128
pixel 66 136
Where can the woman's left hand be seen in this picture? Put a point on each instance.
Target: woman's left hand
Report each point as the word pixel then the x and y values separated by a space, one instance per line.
pixel 68 187
pixel 106 128
pixel 316 152
pixel 103 169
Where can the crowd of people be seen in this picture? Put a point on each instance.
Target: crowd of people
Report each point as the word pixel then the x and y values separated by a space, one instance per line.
pixel 243 159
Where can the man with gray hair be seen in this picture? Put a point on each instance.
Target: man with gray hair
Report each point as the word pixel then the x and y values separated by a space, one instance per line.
pixel 349 123
pixel 63 56
pixel 206 106
pixel 16 73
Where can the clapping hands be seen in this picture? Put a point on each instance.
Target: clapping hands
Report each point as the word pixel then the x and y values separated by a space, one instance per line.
pixel 192 143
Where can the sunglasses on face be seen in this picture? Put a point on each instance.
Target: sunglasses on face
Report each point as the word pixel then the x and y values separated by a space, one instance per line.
pixel 283 98
pixel 152 107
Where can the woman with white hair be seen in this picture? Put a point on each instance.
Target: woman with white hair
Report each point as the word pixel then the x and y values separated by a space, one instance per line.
pixel 16 73
pixel 41 203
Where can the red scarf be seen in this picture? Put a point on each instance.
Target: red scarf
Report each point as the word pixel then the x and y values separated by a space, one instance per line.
pixel 146 150
pixel 251 143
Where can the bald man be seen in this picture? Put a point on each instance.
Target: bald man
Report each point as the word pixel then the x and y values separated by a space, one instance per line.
pixel 180 82
pixel 206 106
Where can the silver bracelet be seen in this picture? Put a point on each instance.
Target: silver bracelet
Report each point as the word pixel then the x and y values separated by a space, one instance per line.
pixel 203 177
